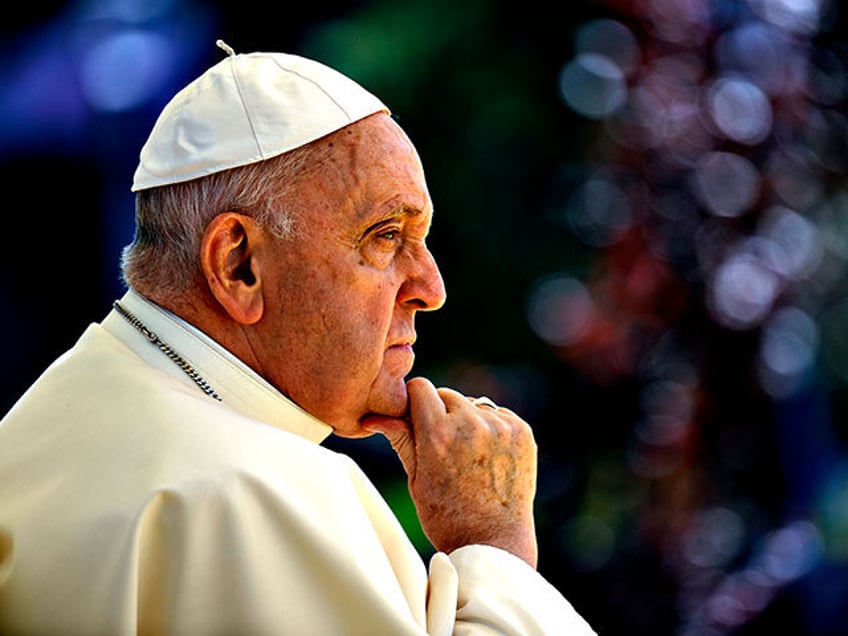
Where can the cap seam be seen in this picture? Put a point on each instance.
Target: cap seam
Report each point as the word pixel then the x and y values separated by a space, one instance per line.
pixel 244 105
pixel 213 155
pixel 315 84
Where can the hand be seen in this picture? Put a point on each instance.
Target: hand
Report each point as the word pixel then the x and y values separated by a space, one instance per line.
pixel 471 469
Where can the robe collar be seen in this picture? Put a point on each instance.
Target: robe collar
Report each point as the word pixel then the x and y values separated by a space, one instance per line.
pixel 238 386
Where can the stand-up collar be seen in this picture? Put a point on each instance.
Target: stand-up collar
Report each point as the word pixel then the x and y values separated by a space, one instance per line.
pixel 237 385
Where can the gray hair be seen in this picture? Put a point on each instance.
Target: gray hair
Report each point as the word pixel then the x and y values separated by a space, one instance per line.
pixel 163 258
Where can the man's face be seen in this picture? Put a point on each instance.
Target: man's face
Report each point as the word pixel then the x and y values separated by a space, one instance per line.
pixel 341 296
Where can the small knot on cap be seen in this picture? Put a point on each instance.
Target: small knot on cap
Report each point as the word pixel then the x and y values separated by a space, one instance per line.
pixel 247 108
pixel 225 47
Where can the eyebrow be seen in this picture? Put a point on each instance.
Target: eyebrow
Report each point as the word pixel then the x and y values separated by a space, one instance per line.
pixel 402 211
pixel 405 210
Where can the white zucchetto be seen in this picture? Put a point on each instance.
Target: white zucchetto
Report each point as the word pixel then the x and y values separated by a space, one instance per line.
pixel 247 108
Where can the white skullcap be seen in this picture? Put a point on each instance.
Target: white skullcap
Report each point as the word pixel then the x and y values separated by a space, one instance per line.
pixel 247 108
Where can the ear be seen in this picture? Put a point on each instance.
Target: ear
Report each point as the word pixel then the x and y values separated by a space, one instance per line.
pixel 230 266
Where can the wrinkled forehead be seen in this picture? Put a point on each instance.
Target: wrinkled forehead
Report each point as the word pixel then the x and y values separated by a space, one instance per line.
pixel 368 168
pixel 374 143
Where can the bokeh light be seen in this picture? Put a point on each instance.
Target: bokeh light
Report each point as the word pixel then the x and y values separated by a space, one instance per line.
pixel 739 109
pixel 727 184
pixel 559 310
pixel 733 125
pixel 593 85
pixel 111 77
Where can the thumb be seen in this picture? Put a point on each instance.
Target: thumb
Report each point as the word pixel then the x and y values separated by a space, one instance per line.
pixel 399 434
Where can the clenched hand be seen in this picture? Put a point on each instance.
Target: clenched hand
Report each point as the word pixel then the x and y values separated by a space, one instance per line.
pixel 471 469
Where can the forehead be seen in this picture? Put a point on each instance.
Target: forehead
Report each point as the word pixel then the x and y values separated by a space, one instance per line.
pixel 372 168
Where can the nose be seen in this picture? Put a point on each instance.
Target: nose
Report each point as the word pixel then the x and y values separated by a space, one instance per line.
pixel 424 288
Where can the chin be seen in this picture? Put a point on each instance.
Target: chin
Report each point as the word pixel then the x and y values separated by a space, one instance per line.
pixel 391 400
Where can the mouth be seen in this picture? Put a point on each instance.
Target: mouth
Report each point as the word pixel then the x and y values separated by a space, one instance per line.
pixel 405 341
pixel 400 357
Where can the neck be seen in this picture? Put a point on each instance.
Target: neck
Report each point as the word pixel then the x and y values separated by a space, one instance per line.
pixel 204 312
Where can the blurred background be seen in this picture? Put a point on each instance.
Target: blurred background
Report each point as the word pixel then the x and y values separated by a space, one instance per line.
pixel 642 221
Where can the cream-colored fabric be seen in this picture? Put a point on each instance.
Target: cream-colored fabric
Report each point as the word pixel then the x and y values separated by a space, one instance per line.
pixel 133 503
pixel 247 108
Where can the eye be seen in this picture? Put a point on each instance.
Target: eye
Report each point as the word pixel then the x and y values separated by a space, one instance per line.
pixel 389 235
pixel 382 244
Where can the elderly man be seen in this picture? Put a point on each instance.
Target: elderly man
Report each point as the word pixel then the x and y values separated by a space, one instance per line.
pixel 165 474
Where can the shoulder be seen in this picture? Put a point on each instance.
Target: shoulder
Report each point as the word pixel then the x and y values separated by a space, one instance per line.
pixel 100 406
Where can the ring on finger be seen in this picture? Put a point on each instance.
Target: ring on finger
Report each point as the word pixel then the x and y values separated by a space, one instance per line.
pixel 484 401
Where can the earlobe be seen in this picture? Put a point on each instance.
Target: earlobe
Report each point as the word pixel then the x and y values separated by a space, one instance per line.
pixel 230 266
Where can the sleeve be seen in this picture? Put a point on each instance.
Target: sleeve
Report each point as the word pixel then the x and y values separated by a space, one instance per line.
pixel 314 549
pixel 480 589
pixel 254 559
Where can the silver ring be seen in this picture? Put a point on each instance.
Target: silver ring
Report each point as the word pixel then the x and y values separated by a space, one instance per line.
pixel 484 401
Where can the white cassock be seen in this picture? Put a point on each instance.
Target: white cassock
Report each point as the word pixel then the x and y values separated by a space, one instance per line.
pixel 131 502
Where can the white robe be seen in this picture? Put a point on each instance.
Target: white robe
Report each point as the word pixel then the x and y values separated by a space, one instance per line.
pixel 133 503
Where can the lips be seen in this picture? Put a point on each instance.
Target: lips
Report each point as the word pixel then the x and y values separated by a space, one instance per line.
pixel 403 341
pixel 399 358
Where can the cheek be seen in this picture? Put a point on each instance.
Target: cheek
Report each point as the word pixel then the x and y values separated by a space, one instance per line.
pixel 334 312
pixel 360 303
pixel 340 325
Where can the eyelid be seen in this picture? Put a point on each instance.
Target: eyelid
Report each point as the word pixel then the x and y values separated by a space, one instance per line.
pixel 398 217
pixel 380 228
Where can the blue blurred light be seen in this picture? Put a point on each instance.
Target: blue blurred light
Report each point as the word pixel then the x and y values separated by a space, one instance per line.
pixel 125 69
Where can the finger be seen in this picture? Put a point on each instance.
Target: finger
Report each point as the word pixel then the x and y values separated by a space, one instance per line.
pixel 426 406
pixel 400 436
pixel 454 400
